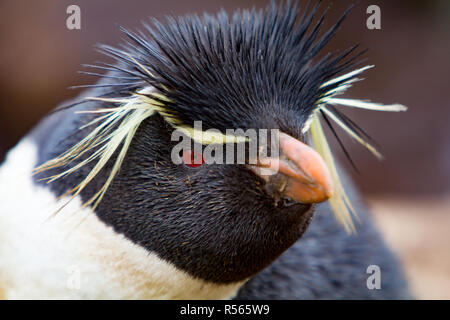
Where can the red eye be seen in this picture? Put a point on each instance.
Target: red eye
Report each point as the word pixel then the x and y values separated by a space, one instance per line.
pixel 192 158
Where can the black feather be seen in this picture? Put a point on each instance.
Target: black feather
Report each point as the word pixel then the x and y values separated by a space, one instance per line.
pixel 347 155
pixel 349 122
pixel 223 70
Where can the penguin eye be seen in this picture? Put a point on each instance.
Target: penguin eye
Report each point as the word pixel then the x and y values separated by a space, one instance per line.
pixel 192 158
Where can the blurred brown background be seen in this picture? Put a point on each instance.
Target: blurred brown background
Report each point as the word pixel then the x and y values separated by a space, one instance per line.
pixel 409 191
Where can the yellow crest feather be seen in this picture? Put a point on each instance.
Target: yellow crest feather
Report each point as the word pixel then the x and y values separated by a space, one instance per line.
pixel 339 202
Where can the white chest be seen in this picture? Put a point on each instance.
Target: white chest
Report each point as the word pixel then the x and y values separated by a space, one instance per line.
pixel 74 255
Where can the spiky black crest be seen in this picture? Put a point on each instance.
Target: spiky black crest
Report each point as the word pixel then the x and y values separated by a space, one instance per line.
pixel 223 70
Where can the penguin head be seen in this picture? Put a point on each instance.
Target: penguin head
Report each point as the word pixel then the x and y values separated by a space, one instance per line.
pixel 255 70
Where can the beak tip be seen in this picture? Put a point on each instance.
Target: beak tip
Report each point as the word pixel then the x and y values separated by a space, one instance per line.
pixel 308 177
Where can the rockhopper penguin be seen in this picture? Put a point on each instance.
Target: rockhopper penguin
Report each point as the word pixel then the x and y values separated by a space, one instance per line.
pixel 93 205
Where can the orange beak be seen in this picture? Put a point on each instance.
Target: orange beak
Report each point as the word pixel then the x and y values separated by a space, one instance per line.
pixel 299 172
